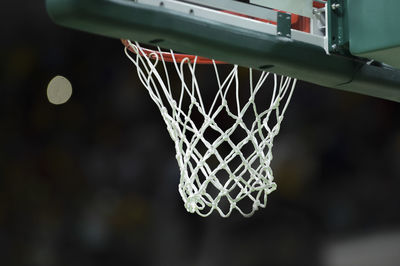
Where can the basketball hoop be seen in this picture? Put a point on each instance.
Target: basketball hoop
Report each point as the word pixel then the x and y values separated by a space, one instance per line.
pixel 212 180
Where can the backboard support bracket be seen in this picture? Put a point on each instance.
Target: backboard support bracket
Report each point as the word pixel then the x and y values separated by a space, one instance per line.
pixel 284 25
pixel 338 28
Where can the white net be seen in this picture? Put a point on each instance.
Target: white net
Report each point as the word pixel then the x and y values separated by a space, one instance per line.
pixel 223 145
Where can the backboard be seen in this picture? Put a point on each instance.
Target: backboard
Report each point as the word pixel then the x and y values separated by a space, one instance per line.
pixel 310 40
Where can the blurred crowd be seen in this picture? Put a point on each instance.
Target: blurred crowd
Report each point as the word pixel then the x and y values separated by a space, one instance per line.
pixel 94 181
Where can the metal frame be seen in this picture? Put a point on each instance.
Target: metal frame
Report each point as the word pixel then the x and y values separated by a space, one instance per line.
pixel 207 11
pixel 299 7
pixel 239 7
pixel 206 32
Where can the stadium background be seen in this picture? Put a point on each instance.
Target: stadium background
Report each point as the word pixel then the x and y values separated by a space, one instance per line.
pixel 94 181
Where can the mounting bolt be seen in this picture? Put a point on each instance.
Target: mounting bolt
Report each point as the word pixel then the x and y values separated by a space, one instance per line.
pixel 335 6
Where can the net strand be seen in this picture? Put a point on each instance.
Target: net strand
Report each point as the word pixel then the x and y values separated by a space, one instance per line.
pixel 211 180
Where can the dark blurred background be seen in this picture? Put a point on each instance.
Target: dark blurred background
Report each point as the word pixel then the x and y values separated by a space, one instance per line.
pixel 94 181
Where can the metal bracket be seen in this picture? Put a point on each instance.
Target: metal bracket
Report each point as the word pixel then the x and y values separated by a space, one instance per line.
pixel 338 28
pixel 284 25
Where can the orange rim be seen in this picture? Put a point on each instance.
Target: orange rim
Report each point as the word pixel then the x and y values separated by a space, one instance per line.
pixel 168 57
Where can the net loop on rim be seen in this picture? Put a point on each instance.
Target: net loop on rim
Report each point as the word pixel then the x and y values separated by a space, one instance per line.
pixel 225 163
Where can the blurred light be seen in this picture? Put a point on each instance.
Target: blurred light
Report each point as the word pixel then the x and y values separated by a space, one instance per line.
pixel 379 248
pixel 59 90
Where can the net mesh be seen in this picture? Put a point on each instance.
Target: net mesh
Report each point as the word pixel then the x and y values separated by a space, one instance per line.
pixel 223 146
